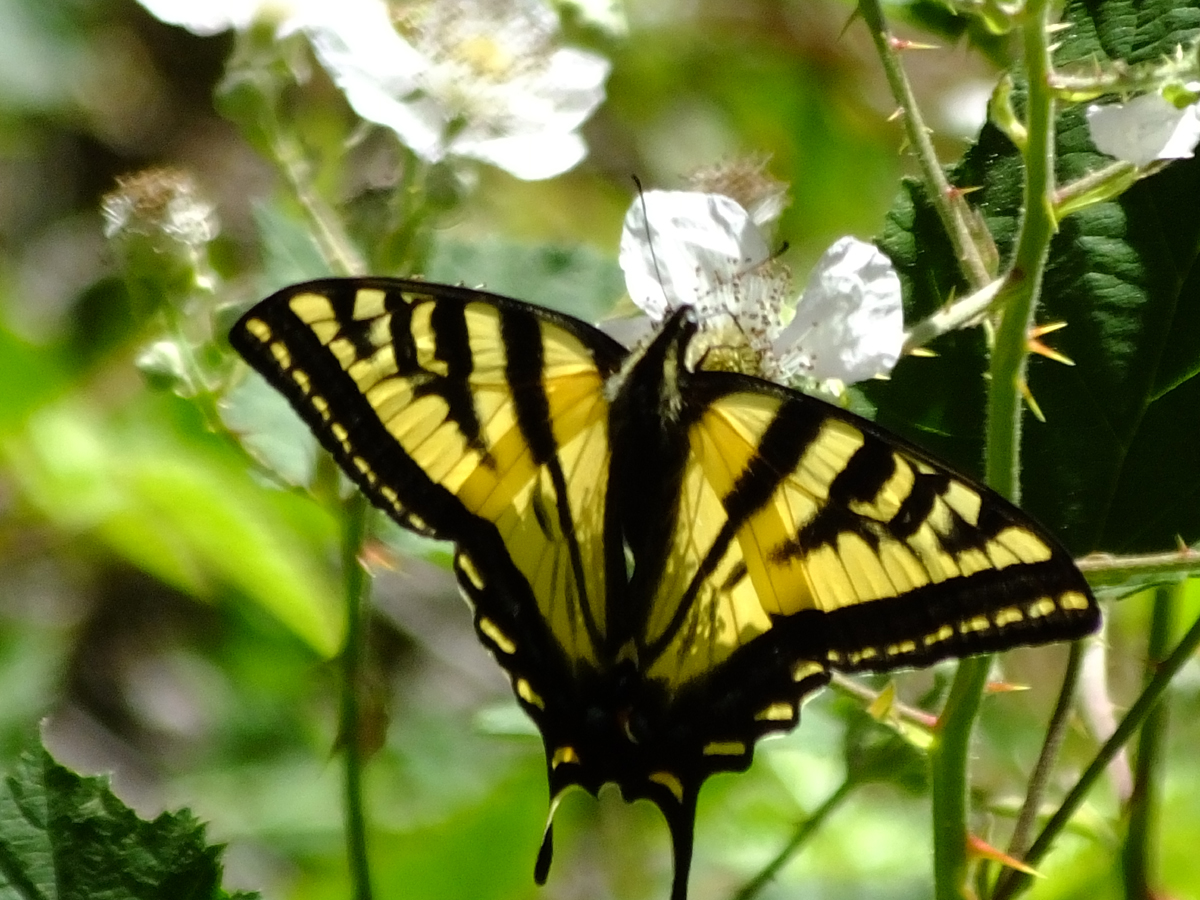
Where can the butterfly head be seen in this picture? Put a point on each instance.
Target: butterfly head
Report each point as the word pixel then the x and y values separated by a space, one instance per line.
pixel 650 379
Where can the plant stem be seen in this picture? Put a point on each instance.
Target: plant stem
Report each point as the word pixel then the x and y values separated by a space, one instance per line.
pixel 1136 863
pixel 357 586
pixel 1028 265
pixel 804 831
pixel 1138 572
pixel 1138 713
pixel 950 757
pixel 1055 732
pixel 336 247
pixel 967 311
pixel 948 774
pixel 942 194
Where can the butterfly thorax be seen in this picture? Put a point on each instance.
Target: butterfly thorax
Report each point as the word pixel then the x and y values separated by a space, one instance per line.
pixel 649 450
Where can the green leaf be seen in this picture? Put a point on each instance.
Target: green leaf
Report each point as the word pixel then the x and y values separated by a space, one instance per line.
pixel 64 836
pixel 176 502
pixel 1116 466
pixel 270 430
pixel 577 281
pixel 290 253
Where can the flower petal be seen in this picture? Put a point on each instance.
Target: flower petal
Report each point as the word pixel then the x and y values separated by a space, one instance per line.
pixel 528 157
pixel 1146 128
pixel 685 247
pixel 203 18
pixel 485 82
pixel 209 17
pixel 849 323
pixel 377 70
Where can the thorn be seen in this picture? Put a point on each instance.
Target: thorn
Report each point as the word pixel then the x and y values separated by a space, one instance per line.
pixel 1056 27
pixel 896 115
pixel 1030 401
pixel 378 555
pixel 1048 328
pixel 957 192
pixel 902 44
pixel 1034 344
pixel 923 352
pixel 1005 687
pixel 980 849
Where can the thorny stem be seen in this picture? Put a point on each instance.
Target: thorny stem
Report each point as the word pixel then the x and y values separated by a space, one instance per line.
pixel 358 589
pixel 951 208
pixel 1137 862
pixel 336 247
pixel 949 759
pixel 1055 733
pixel 1133 720
pixel 804 831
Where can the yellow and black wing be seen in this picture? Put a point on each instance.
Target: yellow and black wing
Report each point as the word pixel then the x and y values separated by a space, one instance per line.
pixel 792 509
pixel 468 417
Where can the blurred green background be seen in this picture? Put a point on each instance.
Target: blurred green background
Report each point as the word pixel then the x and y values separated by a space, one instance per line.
pixel 169 613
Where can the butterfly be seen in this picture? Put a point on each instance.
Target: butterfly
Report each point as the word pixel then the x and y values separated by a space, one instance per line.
pixel 664 559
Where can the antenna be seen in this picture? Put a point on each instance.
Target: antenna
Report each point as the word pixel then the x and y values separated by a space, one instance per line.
pixel 649 242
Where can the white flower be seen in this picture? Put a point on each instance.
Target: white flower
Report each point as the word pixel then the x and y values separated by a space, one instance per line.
pixel 207 17
pixel 704 250
pixel 1146 128
pixel 483 79
pixel 849 323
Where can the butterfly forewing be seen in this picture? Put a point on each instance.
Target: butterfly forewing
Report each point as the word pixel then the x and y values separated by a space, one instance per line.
pixel 465 416
pixel 868 555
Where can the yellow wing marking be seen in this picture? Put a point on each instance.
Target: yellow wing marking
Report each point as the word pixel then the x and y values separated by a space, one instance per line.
pixel 425 340
pixel 886 503
pixel 501 482
pixel 564 755
pixel 670 782
pixel 369 303
pixel 1026 546
pixel 776 712
pixel 317 313
pixel 964 500
pixel 725 612
pixel 259 329
pixel 369 371
pixel 526 692
pixel 499 638
pixel 724 748
pixel 1073 600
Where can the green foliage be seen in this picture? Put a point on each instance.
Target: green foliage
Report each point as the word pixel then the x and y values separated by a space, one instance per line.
pixel 67 837
pixel 1111 467
pixel 170 595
